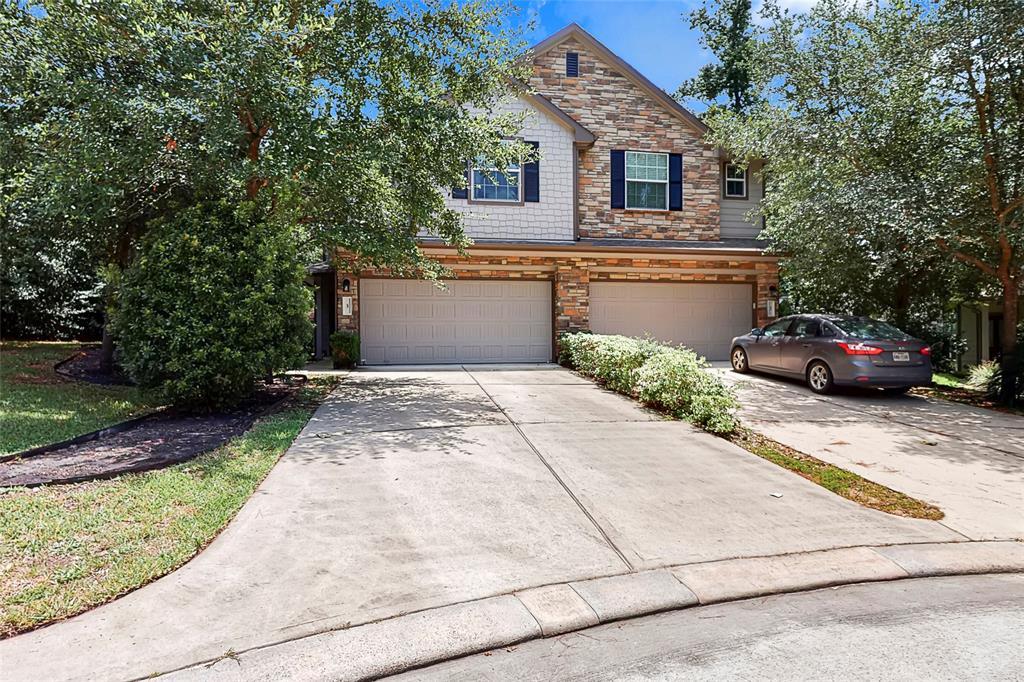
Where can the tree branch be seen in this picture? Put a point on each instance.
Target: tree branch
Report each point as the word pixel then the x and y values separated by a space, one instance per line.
pixel 967 258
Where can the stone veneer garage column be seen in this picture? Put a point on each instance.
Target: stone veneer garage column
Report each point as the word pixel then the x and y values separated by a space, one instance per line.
pixel 572 297
pixel 348 322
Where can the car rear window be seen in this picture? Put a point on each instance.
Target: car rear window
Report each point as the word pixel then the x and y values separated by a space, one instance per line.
pixel 865 328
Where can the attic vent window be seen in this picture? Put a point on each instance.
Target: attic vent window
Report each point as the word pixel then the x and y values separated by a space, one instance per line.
pixel 572 64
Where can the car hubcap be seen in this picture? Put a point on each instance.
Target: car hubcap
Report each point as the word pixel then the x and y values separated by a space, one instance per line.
pixel 819 377
pixel 738 360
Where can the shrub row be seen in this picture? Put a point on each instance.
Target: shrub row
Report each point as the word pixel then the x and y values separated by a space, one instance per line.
pixel 673 379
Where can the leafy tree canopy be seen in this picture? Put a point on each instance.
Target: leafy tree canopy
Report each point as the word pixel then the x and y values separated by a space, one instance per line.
pixel 346 117
pixel 726 31
pixel 894 140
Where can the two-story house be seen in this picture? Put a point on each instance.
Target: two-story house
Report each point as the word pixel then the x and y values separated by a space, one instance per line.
pixel 629 223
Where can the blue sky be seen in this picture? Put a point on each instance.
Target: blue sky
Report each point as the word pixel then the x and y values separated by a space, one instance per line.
pixel 652 35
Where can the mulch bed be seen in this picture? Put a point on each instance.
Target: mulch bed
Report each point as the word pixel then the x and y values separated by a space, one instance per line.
pixel 84 365
pixel 153 442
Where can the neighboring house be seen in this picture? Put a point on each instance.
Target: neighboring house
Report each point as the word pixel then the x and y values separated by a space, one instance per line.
pixel 981 326
pixel 629 223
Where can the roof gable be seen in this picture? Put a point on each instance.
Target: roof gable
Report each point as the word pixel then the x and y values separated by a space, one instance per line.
pixel 660 96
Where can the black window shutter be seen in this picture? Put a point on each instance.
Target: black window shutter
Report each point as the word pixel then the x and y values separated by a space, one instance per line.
pixel 572 64
pixel 462 193
pixel 531 176
pixel 675 182
pixel 618 178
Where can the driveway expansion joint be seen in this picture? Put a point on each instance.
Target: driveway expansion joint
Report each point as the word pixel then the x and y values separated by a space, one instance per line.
pixel 558 478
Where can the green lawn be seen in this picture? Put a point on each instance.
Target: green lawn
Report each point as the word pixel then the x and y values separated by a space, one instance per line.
pixel 67 548
pixel 840 481
pixel 948 380
pixel 38 406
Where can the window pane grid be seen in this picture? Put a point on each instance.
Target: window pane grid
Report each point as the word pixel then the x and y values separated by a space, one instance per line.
pixel 492 185
pixel 646 166
pixel 646 180
pixel 735 181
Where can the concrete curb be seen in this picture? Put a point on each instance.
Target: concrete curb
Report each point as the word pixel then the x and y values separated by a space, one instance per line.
pixel 374 650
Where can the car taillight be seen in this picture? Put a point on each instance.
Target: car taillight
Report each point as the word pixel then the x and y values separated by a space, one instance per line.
pixel 858 348
pixel 926 351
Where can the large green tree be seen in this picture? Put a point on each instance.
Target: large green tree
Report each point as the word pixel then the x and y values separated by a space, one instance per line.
pixel 895 138
pixel 726 29
pixel 345 117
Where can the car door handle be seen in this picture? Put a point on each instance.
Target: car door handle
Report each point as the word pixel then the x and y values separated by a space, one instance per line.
pixel 805 345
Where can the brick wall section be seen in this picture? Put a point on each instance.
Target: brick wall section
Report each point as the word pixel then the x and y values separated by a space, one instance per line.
pixel 572 276
pixel 623 116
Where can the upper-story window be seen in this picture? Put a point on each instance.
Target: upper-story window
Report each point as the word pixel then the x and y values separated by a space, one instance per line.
pixel 572 64
pixel 647 180
pixel 490 184
pixel 735 182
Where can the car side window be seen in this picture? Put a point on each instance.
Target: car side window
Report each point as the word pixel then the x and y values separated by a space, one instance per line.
pixel 777 328
pixel 828 330
pixel 805 329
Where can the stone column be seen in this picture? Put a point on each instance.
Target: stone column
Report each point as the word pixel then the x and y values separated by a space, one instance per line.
pixel 767 277
pixel 572 296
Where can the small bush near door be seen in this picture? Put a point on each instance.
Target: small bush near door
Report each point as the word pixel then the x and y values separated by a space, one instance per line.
pixel 345 349
pixel 673 379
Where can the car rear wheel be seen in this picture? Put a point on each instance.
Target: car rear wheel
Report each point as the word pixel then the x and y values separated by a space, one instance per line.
pixel 739 360
pixel 819 377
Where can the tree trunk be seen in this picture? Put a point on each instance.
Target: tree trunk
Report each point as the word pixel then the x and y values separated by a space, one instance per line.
pixel 122 253
pixel 1010 362
pixel 107 349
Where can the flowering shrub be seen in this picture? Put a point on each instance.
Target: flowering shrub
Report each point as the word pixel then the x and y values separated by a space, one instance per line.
pixel 672 379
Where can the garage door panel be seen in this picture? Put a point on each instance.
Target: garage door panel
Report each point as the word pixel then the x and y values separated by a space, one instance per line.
pixel 469 321
pixel 700 316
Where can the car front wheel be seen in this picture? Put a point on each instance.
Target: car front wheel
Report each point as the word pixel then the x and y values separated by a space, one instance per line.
pixel 819 378
pixel 739 360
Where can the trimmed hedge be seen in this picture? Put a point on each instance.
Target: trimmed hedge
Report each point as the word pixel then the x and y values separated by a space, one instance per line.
pixel 673 379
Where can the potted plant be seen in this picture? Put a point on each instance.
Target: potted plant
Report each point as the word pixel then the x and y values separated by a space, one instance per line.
pixel 345 349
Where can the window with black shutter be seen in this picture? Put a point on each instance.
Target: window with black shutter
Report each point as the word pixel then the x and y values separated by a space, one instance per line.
pixel 531 175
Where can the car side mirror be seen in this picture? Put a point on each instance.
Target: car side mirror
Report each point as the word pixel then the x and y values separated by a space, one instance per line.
pixel 756 331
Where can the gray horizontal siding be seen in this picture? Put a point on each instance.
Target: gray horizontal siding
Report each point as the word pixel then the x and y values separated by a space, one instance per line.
pixel 735 224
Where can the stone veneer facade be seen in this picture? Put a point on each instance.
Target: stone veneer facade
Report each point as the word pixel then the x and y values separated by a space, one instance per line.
pixel 623 116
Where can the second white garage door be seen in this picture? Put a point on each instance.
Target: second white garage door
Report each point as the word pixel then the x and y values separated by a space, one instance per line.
pixel 704 317
pixel 410 321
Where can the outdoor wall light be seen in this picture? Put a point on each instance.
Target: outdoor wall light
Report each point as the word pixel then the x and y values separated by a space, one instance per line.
pixel 346 285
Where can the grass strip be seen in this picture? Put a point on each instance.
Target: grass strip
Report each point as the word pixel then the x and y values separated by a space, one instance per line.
pixel 840 481
pixel 67 548
pixel 39 406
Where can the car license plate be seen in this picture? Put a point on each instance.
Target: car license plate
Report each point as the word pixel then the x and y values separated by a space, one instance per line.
pixel 899 356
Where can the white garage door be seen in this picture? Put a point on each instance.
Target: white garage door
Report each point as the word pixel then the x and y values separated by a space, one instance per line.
pixel 704 317
pixel 410 321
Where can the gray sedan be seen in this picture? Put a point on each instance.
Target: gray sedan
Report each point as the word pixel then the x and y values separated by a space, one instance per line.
pixel 829 350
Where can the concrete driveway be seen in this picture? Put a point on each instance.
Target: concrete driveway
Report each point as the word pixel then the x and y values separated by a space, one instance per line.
pixel 968 461
pixel 415 489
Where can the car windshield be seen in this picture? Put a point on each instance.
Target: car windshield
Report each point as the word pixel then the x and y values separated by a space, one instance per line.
pixel 866 328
